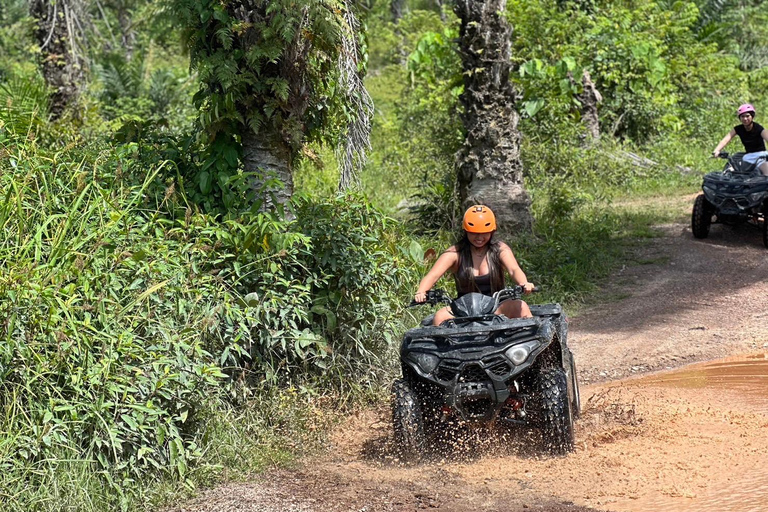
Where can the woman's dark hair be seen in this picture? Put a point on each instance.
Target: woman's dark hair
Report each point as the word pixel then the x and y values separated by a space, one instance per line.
pixel 465 278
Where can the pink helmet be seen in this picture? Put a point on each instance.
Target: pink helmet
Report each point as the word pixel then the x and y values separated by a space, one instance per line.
pixel 746 108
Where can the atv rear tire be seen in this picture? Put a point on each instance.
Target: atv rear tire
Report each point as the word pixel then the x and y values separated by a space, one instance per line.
pixel 556 420
pixel 701 217
pixel 408 422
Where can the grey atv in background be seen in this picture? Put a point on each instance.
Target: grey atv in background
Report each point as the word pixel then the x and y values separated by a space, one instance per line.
pixel 485 369
pixel 736 195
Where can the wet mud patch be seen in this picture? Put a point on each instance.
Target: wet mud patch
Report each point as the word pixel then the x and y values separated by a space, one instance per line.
pixel 699 439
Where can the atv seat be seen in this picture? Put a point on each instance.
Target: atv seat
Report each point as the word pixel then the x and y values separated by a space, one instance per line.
pixel 742 165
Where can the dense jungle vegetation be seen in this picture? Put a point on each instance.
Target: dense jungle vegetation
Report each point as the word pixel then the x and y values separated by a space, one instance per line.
pixel 171 319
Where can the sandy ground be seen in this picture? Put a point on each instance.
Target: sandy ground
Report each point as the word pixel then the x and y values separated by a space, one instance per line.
pixel 645 441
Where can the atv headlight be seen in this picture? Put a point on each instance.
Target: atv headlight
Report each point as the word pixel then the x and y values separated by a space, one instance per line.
pixel 756 197
pixel 519 353
pixel 426 362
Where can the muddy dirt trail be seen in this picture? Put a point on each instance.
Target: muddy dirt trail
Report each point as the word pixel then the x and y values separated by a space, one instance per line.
pixel 650 437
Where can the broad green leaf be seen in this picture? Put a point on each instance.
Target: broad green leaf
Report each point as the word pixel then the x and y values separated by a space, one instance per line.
pixel 532 107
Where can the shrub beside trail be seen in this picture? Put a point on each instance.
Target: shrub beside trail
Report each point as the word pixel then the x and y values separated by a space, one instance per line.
pixel 130 319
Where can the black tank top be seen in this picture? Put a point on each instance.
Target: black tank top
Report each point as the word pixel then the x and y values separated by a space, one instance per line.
pixel 482 284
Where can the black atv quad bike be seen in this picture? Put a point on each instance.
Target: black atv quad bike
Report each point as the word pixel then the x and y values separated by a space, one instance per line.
pixel 485 369
pixel 736 195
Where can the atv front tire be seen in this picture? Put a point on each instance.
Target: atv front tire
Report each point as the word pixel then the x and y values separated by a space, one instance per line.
pixel 556 420
pixel 408 422
pixel 701 217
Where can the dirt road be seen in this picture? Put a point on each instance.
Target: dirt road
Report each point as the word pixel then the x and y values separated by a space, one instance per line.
pixel 647 442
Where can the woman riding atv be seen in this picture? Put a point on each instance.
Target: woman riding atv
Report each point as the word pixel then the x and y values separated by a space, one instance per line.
pixel 477 262
pixel 752 135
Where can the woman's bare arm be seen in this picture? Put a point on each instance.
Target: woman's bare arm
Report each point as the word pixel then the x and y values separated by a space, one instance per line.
pixel 516 273
pixel 725 141
pixel 448 260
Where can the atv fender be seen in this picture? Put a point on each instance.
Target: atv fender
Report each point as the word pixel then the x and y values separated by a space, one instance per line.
pixel 558 354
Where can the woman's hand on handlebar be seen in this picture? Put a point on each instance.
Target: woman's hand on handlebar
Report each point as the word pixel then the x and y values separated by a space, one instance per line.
pixel 716 153
pixel 420 297
pixel 528 287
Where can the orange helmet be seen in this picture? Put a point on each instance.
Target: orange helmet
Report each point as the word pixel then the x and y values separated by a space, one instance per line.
pixel 479 219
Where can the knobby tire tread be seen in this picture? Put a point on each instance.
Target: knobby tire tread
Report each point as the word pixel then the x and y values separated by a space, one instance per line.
pixel 556 418
pixel 408 422
pixel 701 217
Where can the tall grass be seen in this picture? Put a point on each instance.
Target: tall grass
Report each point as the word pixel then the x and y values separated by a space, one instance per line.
pixel 136 332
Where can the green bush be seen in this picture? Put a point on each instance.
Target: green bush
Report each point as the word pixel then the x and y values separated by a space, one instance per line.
pixel 318 295
pixel 129 317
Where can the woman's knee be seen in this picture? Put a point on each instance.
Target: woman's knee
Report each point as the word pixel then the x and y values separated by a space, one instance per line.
pixel 514 309
pixel 441 316
pixel 525 311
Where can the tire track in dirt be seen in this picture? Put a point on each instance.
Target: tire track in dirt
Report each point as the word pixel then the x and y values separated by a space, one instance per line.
pixel 687 300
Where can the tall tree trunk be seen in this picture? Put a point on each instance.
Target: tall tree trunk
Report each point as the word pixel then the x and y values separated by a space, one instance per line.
pixel 589 99
pixel 397 7
pixel 267 158
pixel 59 62
pixel 439 4
pixel 126 29
pixel 490 171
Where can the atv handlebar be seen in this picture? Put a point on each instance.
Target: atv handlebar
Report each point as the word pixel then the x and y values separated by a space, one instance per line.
pixel 434 297
pixel 513 292
pixel 438 296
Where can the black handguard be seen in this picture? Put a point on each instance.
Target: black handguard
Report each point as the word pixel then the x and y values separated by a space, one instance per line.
pixel 519 290
pixel 434 297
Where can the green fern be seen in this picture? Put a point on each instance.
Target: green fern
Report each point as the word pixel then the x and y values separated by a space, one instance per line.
pixel 120 77
pixel 23 105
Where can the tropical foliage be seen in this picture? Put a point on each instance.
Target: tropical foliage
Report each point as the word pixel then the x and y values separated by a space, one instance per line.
pixel 159 333
pixel 274 70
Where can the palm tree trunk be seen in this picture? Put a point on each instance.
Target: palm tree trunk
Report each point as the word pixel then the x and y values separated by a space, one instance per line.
pixel 490 171
pixel 59 62
pixel 266 158
pixel 589 98
pixel 127 31
pixel 396 7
